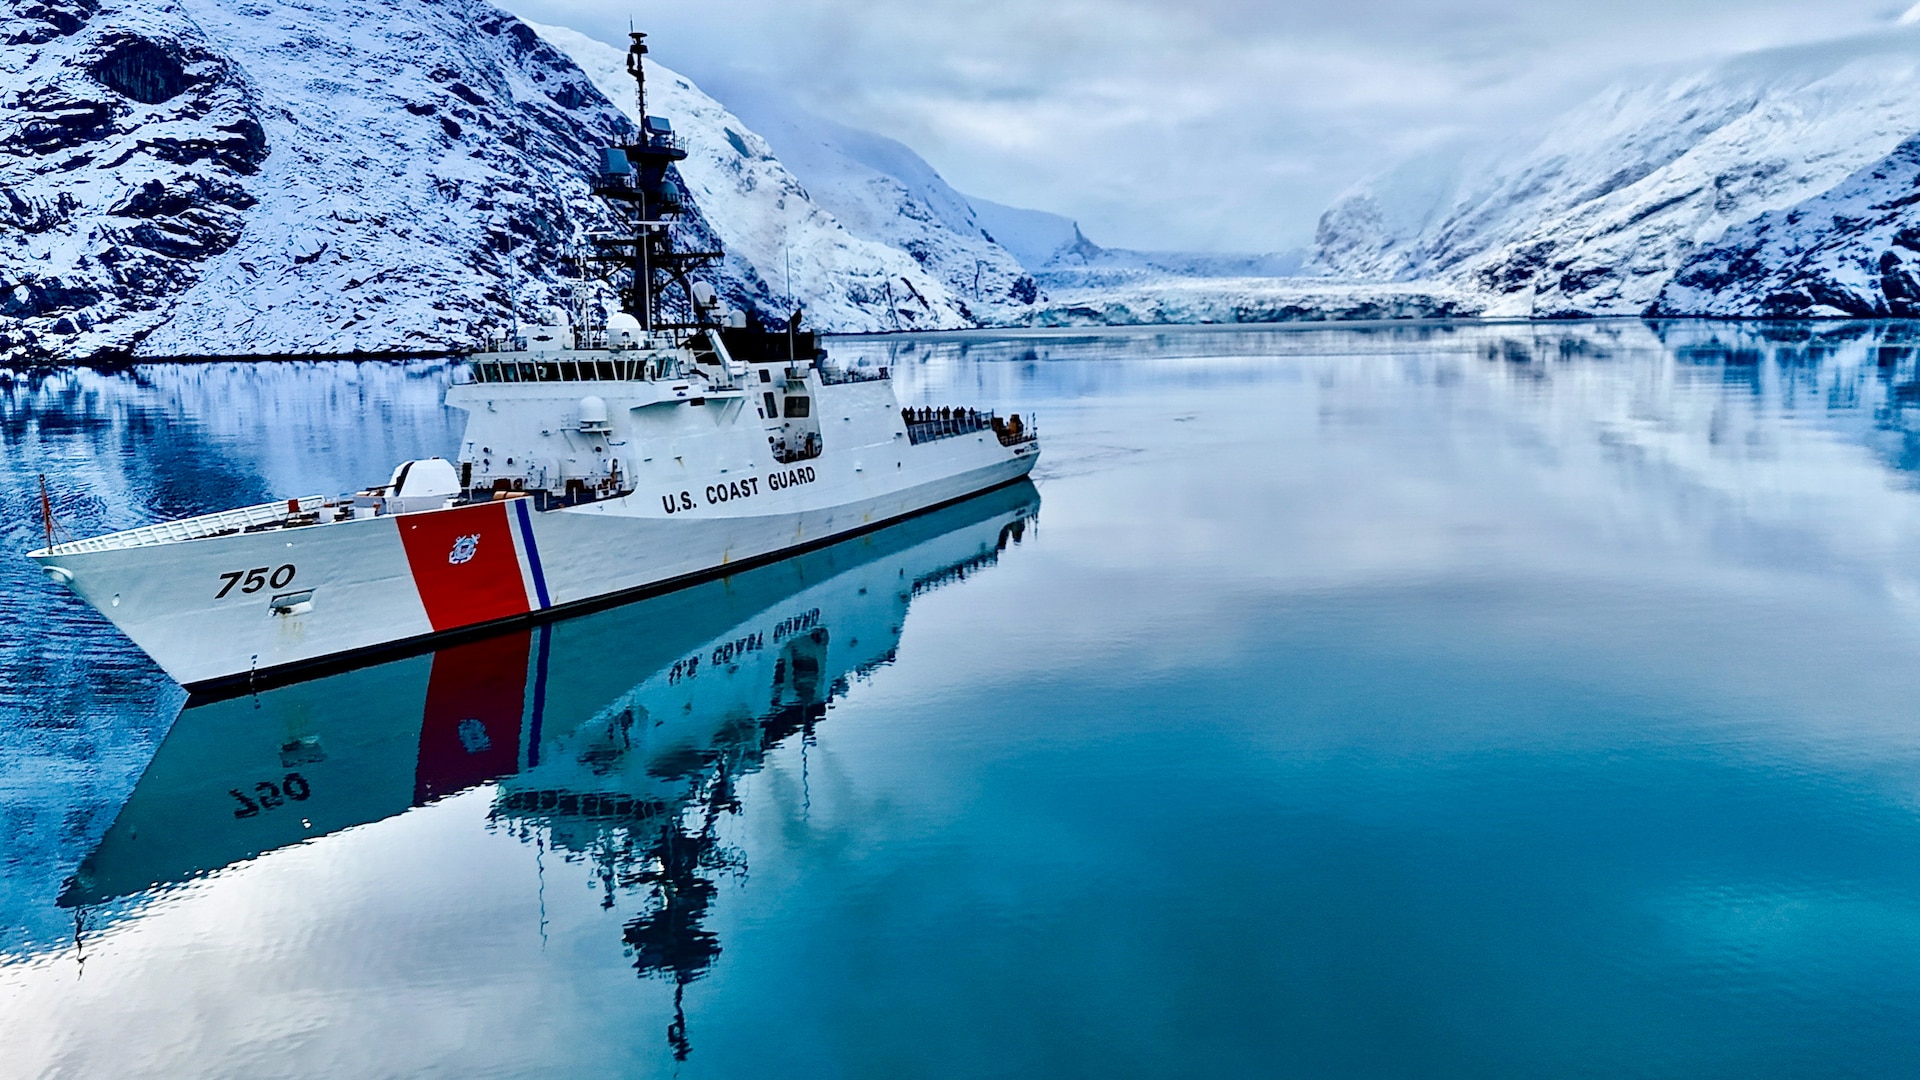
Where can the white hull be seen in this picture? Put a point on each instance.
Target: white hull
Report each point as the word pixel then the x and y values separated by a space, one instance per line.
pixel 549 713
pixel 253 604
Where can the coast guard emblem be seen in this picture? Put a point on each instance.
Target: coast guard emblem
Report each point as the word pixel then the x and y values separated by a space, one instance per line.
pixel 463 549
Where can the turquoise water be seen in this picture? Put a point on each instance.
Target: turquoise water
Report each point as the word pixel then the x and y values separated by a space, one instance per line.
pixel 1416 701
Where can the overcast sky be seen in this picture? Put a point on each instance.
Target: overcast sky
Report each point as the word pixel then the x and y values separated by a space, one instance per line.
pixel 1223 125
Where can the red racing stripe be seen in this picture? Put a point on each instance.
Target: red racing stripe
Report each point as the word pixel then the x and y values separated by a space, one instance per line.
pixel 464 565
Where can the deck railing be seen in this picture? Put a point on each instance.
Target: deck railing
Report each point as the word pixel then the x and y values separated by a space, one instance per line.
pixel 194 528
pixel 926 425
pixel 835 376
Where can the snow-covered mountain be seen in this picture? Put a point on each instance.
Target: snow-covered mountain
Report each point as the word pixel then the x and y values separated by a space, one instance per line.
pixel 1852 250
pixel 882 191
pixel 221 177
pixel 209 177
pixel 1061 257
pixel 262 176
pixel 781 230
pixel 1698 193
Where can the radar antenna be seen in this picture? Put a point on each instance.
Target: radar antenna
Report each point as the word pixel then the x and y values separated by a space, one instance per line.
pixel 638 177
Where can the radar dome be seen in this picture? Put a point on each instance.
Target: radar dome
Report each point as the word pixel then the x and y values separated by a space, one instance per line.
pixel 593 413
pixel 623 329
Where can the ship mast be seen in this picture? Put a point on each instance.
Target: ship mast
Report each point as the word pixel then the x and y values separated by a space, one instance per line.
pixel 638 178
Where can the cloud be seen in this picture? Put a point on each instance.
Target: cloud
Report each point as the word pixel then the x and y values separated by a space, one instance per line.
pixel 1219 124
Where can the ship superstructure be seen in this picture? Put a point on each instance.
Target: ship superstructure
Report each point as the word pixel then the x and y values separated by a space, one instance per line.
pixel 671 440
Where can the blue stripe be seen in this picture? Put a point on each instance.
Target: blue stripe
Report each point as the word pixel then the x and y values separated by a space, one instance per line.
pixel 545 634
pixel 533 553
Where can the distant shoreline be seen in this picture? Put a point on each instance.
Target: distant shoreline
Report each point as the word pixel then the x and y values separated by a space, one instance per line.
pixel 113 363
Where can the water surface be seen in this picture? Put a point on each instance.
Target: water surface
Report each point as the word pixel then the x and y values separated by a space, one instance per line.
pixel 1413 701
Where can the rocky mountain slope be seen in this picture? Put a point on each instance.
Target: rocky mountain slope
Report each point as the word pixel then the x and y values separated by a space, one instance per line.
pixel 1699 193
pixel 882 191
pixel 222 177
pixel 847 279
pixel 219 176
pixel 1852 250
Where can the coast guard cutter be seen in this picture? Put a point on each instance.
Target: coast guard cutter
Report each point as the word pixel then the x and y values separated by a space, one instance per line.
pixel 675 442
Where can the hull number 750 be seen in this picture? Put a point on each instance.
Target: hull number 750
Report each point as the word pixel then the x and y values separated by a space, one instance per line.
pixel 252 581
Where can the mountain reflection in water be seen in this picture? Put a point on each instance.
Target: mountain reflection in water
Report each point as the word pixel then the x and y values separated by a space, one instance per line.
pixel 615 739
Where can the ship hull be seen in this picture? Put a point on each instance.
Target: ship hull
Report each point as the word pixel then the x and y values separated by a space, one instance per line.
pixel 272 606
pixel 548 713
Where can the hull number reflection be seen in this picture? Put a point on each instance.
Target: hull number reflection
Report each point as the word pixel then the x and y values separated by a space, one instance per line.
pixel 268 795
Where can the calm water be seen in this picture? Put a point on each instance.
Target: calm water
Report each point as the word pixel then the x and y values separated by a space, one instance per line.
pixel 1489 702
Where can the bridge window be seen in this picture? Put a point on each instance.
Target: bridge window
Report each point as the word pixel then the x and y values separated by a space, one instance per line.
pixel 798 407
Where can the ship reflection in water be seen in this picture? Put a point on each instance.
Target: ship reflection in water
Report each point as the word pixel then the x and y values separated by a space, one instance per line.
pixel 616 739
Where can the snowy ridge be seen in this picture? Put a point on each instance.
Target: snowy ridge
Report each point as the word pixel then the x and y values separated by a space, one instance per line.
pixel 1598 216
pixel 1062 259
pixel 882 191
pixel 765 218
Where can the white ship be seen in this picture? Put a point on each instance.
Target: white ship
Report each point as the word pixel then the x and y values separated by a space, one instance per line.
pixel 617 739
pixel 673 443
pixel 578 718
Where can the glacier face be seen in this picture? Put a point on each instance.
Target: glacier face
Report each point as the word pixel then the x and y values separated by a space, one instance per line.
pixel 1191 299
pixel 1599 216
